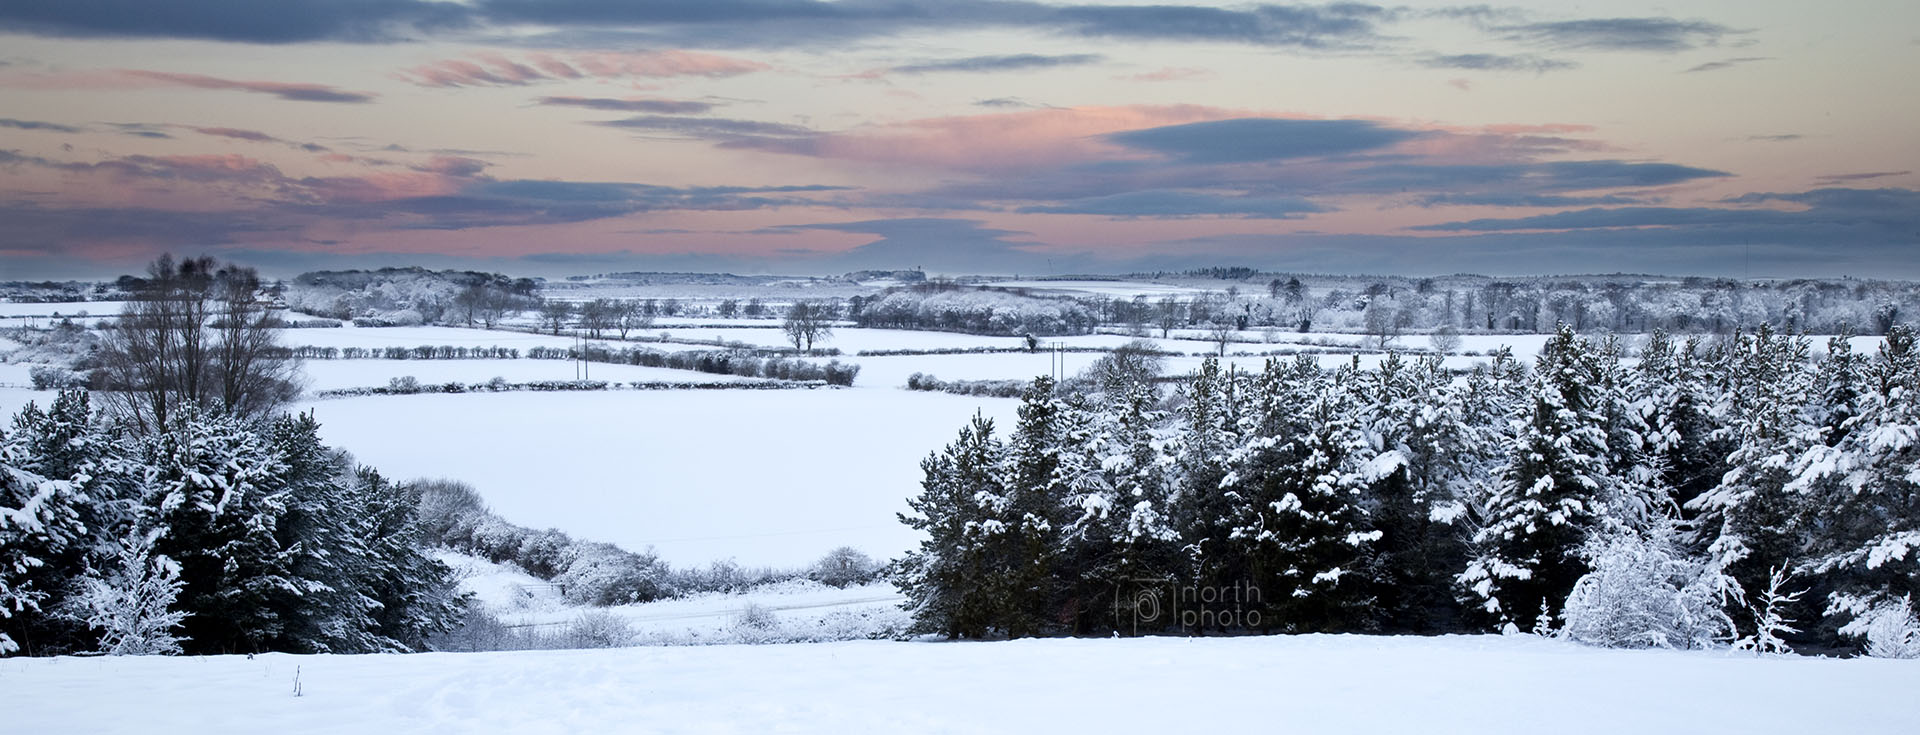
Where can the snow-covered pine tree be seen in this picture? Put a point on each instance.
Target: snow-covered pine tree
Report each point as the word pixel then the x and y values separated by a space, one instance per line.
pixel 943 580
pixel 1637 496
pixel 1551 491
pixel 323 532
pixel 45 540
pixel 215 493
pixel 1018 547
pixel 1197 508
pixel 131 602
pixel 1750 522
pixel 1671 385
pixel 1413 416
pixel 1863 494
pixel 415 596
pixel 1299 517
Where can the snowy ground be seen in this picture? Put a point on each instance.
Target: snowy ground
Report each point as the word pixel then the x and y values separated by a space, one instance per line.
pixel 771 478
pixel 1345 684
pixel 335 374
pixel 523 600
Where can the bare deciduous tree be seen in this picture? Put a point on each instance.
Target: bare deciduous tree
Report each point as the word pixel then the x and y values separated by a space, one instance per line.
pixel 807 323
pixel 486 303
pixel 598 315
pixel 554 315
pixel 195 332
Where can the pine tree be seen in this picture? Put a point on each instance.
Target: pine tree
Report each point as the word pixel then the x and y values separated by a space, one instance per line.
pixel 943 580
pixel 1751 522
pixel 323 532
pixel 414 595
pixel 44 536
pixel 216 494
pixel 1862 494
pixel 1550 494
pixel 1299 517
pixel 1021 541
pixel 1197 507
pixel 1414 416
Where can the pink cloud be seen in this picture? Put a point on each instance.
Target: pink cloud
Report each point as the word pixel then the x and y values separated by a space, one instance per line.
pixel 492 69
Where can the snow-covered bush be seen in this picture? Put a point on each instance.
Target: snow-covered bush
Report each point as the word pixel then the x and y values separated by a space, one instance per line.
pixel 131 604
pixel 1890 629
pixel 47 377
pixel 598 629
pixel 1642 592
pixel 604 574
pixel 844 566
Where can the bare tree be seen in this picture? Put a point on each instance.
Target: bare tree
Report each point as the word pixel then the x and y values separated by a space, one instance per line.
pixel 1221 336
pixel 1445 340
pixel 554 315
pixel 627 316
pixel 597 315
pixel 485 303
pixel 1384 321
pixel 807 323
pixel 195 332
pixel 1167 315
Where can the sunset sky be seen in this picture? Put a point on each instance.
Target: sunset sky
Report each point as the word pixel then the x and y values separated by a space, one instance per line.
pixel 1764 138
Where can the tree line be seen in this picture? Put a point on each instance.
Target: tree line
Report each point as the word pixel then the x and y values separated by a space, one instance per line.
pixel 1714 490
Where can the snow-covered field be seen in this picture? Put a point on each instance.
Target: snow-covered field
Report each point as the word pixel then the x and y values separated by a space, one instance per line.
pixel 381 337
pixel 335 374
pixel 93 309
pixel 1307 684
pixel 766 477
pixel 523 600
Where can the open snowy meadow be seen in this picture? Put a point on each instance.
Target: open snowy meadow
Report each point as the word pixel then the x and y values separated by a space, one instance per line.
pixel 1305 684
pixel 767 477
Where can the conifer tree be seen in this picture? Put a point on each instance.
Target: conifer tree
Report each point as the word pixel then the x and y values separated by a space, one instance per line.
pixel 944 579
pixel 1751 522
pixel 1551 492
pixel 216 494
pixel 1024 537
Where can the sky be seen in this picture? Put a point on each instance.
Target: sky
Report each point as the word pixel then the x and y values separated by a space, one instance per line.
pixel 1764 138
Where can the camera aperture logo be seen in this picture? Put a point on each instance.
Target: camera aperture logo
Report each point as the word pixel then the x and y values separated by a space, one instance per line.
pixel 1148 605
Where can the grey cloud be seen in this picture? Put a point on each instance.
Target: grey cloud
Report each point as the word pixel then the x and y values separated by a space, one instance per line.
pixel 1843 178
pixel 1622 34
pixel 37 125
pixel 657 106
pixel 1726 63
pixel 709 128
pixel 1261 139
pixel 1496 62
pixel 1183 204
pixel 1514 199
pixel 249 21
pixel 1014 62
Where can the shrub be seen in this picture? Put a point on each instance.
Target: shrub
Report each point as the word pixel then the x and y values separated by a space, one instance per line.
pixel 844 566
pixel 1643 593
pixel 598 629
pixel 47 377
